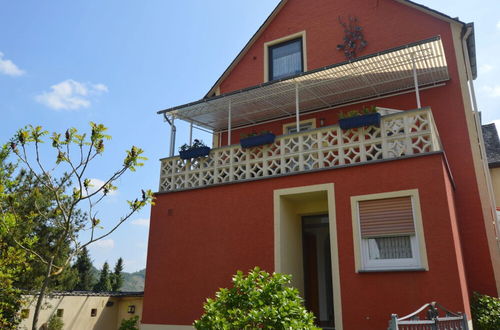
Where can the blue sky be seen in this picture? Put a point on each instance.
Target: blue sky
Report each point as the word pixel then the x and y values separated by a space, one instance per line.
pixel 66 63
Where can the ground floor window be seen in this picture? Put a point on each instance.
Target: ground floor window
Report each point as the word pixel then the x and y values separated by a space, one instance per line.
pixel 387 231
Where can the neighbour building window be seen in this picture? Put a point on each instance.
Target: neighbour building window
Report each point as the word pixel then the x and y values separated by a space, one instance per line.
pixel 60 313
pixel 285 59
pixel 93 312
pixel 388 229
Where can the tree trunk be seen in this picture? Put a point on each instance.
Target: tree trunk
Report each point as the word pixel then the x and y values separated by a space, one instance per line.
pixel 41 295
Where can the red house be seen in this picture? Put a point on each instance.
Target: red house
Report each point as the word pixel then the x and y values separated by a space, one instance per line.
pixel 370 218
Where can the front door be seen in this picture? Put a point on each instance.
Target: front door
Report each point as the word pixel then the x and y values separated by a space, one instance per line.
pixel 318 269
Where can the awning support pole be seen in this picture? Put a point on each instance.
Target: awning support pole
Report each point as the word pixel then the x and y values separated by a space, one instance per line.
pixel 297 107
pixel 229 124
pixel 415 79
pixel 173 131
pixel 191 133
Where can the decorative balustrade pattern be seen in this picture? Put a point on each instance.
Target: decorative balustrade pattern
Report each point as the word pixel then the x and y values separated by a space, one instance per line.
pixel 402 134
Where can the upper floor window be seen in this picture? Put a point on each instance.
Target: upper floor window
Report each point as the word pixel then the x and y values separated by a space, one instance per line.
pixel 285 59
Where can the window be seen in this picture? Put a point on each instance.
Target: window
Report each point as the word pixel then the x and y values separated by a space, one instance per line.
pixel 388 231
pixel 305 125
pixel 131 309
pixel 285 59
pixel 60 312
pixel 93 312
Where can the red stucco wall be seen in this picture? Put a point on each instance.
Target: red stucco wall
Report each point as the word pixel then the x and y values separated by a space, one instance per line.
pixel 213 232
pixel 386 24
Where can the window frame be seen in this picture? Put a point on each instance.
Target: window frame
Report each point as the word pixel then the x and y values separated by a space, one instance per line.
pixel 293 125
pixel 417 241
pixel 268 45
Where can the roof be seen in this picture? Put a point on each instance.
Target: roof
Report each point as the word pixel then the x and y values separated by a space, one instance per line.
pixel 97 294
pixel 491 144
pixel 374 75
pixel 281 4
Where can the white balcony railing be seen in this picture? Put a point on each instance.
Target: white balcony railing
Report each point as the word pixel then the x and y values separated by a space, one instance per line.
pixel 402 134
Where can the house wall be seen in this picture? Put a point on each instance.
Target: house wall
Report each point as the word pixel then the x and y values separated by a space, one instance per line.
pixel 387 24
pixel 77 311
pixel 495 179
pixel 218 230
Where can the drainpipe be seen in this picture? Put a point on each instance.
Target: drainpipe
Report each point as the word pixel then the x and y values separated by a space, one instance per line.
pixel 479 132
pixel 173 131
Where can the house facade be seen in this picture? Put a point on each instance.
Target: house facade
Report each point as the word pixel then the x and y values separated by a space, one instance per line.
pixel 370 220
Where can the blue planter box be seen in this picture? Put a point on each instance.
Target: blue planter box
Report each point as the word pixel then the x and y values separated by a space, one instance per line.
pixel 257 140
pixel 194 153
pixel 360 121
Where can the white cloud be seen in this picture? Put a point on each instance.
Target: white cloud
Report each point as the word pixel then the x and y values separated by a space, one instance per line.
pixel 485 68
pixel 140 222
pixel 70 95
pixel 498 25
pixel 104 244
pixel 9 68
pixel 492 91
pixel 96 184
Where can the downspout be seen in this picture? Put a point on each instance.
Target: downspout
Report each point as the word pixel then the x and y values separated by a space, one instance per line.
pixel 477 122
pixel 173 131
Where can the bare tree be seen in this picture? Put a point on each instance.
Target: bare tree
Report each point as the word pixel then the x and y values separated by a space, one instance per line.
pixel 73 152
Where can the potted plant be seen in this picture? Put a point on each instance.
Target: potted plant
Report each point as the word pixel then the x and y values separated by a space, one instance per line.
pixel 254 139
pixel 366 117
pixel 196 150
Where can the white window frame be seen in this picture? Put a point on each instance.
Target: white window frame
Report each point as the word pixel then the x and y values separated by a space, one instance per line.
pixel 417 241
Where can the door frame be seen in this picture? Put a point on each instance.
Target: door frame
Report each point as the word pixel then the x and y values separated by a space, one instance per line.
pixel 290 205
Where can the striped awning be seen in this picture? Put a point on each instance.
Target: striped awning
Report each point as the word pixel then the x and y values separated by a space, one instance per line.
pixel 365 77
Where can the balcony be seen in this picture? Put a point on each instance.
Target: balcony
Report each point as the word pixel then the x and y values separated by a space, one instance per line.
pixel 400 135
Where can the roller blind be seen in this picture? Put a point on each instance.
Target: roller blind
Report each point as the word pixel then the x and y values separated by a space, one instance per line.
pixel 386 217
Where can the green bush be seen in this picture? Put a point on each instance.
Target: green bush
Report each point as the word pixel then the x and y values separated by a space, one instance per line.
pixel 485 312
pixel 130 324
pixel 257 300
pixel 55 323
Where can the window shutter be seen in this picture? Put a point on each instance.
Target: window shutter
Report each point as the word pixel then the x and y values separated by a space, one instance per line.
pixel 386 217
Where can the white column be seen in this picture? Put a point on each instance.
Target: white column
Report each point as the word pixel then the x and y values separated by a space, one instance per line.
pixel 297 107
pixel 229 124
pixel 415 79
pixel 191 133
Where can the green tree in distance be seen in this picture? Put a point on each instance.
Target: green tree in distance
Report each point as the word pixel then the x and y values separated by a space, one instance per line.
pixel 83 267
pixel 117 278
pixel 64 175
pixel 104 283
pixel 13 260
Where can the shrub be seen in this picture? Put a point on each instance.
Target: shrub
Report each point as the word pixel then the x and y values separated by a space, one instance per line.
pixel 485 312
pixel 129 324
pixel 55 323
pixel 257 300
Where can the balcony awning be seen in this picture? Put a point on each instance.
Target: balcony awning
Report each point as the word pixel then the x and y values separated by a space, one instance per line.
pixel 365 77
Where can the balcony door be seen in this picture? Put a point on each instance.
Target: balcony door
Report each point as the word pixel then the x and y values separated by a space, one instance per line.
pixel 318 269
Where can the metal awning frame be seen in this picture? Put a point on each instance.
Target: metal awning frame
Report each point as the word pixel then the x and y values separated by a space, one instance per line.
pixel 315 89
